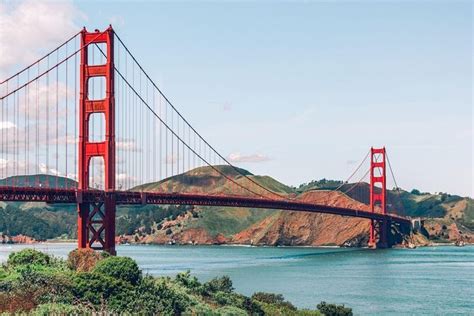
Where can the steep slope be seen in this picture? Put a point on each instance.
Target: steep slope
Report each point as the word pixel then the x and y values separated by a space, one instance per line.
pixel 309 229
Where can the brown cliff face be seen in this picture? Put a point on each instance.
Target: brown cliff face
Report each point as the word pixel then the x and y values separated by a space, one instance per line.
pixel 279 227
pixel 309 229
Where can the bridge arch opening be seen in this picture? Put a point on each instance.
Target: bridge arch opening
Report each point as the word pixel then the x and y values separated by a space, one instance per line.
pixel 97 173
pixel 96 127
pixel 96 87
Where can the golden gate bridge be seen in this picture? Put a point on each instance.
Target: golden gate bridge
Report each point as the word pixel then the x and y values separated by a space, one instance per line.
pixel 85 124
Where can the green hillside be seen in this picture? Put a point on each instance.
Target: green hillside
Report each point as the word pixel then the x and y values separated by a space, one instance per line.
pixel 42 180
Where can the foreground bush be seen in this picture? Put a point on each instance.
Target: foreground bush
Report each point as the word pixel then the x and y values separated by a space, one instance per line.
pixel 334 310
pixel 122 268
pixel 28 256
pixel 84 260
pixel 37 284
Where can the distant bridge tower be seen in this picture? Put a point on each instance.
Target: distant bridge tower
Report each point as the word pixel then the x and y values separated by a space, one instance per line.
pixel 378 198
pixel 96 219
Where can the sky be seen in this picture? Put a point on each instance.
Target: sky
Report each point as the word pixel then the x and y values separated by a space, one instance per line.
pixel 298 90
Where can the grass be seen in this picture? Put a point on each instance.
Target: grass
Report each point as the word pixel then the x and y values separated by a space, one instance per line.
pixel 228 220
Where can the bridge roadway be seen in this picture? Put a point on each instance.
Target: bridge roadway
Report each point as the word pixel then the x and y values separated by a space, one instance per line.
pixel 49 195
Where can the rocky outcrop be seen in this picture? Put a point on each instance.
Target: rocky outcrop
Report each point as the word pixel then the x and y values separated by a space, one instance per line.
pixel 447 230
pixel 309 229
pixel 19 239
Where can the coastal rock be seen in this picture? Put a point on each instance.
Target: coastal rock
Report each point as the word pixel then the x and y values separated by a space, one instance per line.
pixel 18 239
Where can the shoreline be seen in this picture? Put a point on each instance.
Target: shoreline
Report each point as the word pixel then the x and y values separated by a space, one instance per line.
pixel 73 241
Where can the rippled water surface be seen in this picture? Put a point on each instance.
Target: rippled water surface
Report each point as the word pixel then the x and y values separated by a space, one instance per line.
pixel 433 280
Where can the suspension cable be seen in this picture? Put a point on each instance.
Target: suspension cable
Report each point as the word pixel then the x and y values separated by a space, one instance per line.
pixel 396 184
pixel 42 58
pixel 190 126
pixel 179 138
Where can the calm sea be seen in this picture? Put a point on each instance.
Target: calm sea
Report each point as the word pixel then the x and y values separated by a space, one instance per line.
pixel 422 281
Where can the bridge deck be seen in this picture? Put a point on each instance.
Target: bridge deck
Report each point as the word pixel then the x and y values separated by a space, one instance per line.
pixel 143 198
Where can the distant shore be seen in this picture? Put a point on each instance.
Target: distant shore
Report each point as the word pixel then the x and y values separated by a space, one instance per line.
pixel 24 240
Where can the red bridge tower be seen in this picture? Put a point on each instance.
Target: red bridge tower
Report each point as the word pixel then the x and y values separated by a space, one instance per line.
pixel 96 220
pixel 378 198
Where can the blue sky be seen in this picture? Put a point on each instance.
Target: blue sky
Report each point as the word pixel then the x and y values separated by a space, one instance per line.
pixel 312 85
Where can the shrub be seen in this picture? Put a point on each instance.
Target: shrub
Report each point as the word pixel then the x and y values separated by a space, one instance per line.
pixel 84 260
pixel 98 288
pixel 188 281
pixel 252 306
pixel 31 285
pixel 122 268
pixel 223 284
pixel 58 309
pixel 231 311
pixel 273 299
pixel 334 310
pixel 28 256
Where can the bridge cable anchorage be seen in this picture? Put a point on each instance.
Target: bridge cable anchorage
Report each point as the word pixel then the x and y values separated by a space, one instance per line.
pixel 191 127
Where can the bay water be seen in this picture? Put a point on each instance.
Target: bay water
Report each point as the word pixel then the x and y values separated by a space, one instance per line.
pixel 424 281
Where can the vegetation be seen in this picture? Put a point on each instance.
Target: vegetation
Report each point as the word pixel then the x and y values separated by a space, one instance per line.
pixel 322 184
pixel 59 221
pixel 33 282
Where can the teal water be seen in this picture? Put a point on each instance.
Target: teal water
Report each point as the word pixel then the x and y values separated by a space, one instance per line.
pixel 422 281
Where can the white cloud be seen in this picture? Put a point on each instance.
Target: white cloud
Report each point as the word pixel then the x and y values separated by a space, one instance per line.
pixel 29 27
pixel 6 125
pixel 237 157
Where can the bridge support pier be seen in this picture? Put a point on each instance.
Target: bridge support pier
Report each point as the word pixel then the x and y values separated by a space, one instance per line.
pixel 380 234
pixel 96 225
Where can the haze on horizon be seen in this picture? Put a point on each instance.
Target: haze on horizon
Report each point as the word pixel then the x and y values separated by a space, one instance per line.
pixel 298 91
